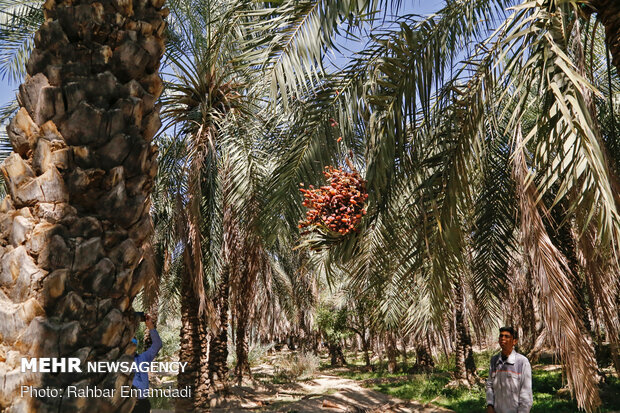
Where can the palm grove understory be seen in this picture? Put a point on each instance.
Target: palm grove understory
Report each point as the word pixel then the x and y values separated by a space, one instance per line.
pixel 486 135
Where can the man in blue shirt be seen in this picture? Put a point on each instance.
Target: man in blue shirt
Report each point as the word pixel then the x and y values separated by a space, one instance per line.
pixel 141 379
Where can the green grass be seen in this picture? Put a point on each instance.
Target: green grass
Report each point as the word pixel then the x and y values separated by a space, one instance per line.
pixel 360 373
pixel 431 388
pixel 423 387
pixel 163 403
pixel 462 399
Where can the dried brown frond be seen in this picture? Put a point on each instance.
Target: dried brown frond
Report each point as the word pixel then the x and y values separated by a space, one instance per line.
pixel 195 257
pixel 597 260
pixel 521 294
pixel 601 275
pixel 188 226
pixel 559 303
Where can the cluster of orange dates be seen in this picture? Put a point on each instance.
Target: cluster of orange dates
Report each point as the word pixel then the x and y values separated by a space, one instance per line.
pixel 338 206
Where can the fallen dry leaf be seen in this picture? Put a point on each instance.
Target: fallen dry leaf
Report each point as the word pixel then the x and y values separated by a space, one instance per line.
pixel 330 405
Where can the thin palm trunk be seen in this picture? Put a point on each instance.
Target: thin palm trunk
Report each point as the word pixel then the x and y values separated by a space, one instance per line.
pixel 309 340
pixel 336 356
pixel 424 358
pixel 241 349
pixel 77 213
pixel 217 368
pixel 218 344
pixel 392 352
pixel 365 349
pixel 243 299
pixel 190 347
pixel 363 333
pixel 528 319
pixel 153 311
pixel 465 369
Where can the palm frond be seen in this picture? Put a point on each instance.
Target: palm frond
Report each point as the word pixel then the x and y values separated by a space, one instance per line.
pixel 494 223
pixel 19 20
pixel 558 298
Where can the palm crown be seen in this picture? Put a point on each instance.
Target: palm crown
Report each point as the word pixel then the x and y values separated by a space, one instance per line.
pixel 486 134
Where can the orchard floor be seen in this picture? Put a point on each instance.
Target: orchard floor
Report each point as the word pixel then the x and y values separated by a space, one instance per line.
pixel 356 389
pixel 324 391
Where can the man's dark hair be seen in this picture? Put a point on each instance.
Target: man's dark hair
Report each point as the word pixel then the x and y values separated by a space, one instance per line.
pixel 511 330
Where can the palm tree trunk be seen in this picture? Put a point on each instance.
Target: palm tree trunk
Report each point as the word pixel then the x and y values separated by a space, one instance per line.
pixel 366 350
pixel 465 364
pixel 336 355
pixel 243 363
pixel 77 212
pixel 363 333
pixel 218 345
pixel 392 352
pixel 609 13
pixel 308 341
pixel 528 319
pixel 424 359
pixel 190 347
pixel 154 313
pixel 202 397
pixel 243 298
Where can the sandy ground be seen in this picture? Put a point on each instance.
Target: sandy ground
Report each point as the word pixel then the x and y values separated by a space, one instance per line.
pixel 321 393
pixel 326 393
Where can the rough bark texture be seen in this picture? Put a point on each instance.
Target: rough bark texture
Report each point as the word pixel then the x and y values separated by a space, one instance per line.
pixel 465 369
pixel 154 313
pixel 528 317
pixel 424 358
pixel 77 212
pixel 404 352
pixel 366 350
pixel 609 13
pixel 218 345
pixel 336 356
pixel 392 353
pixel 192 337
pixel 203 385
pixel 243 363
pixel 308 341
pixel 243 299
pixel 362 331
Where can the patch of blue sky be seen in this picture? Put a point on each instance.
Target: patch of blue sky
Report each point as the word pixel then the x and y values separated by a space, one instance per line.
pixel 347 46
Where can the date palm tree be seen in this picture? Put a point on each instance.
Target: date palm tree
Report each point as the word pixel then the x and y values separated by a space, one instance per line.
pixel 213 110
pixel 469 163
pixel 77 212
pixel 409 113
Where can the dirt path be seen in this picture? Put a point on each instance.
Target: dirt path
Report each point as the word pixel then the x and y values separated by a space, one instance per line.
pixel 323 393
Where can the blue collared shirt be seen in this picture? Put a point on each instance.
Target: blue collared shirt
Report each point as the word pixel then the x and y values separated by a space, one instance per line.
pixel 141 379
